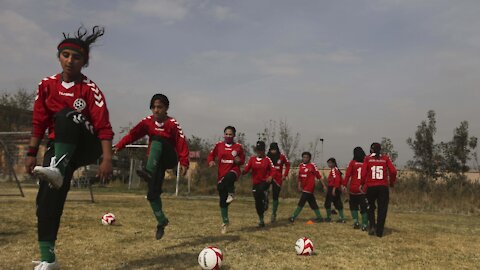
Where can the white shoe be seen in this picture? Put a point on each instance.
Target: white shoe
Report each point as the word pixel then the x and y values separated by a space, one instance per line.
pixel 50 174
pixel 224 228
pixel 39 265
pixel 230 198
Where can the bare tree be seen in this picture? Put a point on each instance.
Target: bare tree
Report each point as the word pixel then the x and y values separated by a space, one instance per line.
pixel 288 141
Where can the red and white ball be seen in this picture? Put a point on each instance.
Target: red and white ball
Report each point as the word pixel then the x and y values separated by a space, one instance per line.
pixel 304 246
pixel 108 219
pixel 210 258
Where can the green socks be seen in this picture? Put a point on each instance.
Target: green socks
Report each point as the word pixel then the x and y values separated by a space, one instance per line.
pixel 260 218
pixel 297 212
pixel 317 213
pixel 329 212
pixel 63 153
pixel 157 210
pixel 154 156
pixel 274 208
pixel 224 212
pixel 47 251
pixel 340 213
pixel 354 215
pixel 365 219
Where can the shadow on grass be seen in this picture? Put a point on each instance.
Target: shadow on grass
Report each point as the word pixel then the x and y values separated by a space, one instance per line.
pixel 176 261
pixel 268 226
pixel 208 240
pixel 389 231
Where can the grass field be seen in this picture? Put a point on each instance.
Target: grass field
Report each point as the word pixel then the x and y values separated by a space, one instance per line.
pixel 412 240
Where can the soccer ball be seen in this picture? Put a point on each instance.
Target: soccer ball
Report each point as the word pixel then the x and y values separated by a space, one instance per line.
pixel 210 258
pixel 304 246
pixel 108 219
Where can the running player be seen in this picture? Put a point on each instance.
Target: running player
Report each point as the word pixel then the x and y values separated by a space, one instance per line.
pixel 378 172
pixel 74 111
pixel 279 160
pixel 334 194
pixel 357 196
pixel 230 156
pixel 262 172
pixel 307 173
pixel 167 144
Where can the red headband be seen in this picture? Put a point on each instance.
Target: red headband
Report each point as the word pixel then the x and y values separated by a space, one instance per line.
pixel 71 46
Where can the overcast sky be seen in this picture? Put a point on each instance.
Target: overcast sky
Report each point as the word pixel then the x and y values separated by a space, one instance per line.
pixel 348 71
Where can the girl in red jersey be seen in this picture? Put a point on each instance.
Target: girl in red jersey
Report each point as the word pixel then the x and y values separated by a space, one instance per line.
pixel 334 194
pixel 307 173
pixel 279 160
pixel 167 145
pixel 73 110
pixel 230 156
pixel 378 172
pixel 262 172
pixel 357 196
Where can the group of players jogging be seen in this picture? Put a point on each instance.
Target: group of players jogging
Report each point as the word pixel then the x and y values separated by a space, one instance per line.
pixel 74 111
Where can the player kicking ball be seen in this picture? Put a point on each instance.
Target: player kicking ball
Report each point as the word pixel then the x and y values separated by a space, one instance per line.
pixel 74 111
pixel 230 156
pixel 307 173
pixel 166 142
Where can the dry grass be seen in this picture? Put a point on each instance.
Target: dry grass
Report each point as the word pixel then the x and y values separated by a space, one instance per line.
pixel 412 241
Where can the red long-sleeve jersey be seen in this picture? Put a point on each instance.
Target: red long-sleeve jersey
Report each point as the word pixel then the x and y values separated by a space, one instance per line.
pixel 306 176
pixel 168 129
pixel 353 175
pixel 225 154
pixel 84 96
pixel 378 172
pixel 335 178
pixel 278 174
pixel 262 169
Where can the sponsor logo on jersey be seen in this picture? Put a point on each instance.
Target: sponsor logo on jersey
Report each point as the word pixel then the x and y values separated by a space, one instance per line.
pixel 226 161
pixel 65 94
pixel 79 104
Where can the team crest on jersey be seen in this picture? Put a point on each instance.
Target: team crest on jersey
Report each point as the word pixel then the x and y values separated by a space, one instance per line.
pixel 234 153
pixel 306 170
pixel 79 104
pixel 279 162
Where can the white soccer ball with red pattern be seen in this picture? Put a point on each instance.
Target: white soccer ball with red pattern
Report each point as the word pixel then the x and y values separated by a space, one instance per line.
pixel 304 246
pixel 210 258
pixel 108 219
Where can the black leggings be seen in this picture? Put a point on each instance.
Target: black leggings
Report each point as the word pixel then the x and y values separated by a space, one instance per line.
pixel 381 195
pixel 168 160
pixel 275 191
pixel 70 127
pixel 259 193
pixel 336 200
pixel 358 201
pixel 310 198
pixel 227 185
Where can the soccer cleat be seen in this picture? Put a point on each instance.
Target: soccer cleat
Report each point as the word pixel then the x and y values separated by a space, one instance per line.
pixel 261 224
pixel 341 220
pixel 230 198
pixel 39 265
pixel 364 228
pixel 144 174
pixel 356 225
pixel 161 229
pixel 292 220
pixel 273 219
pixel 318 220
pixel 50 174
pixel 328 219
pixel 224 228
